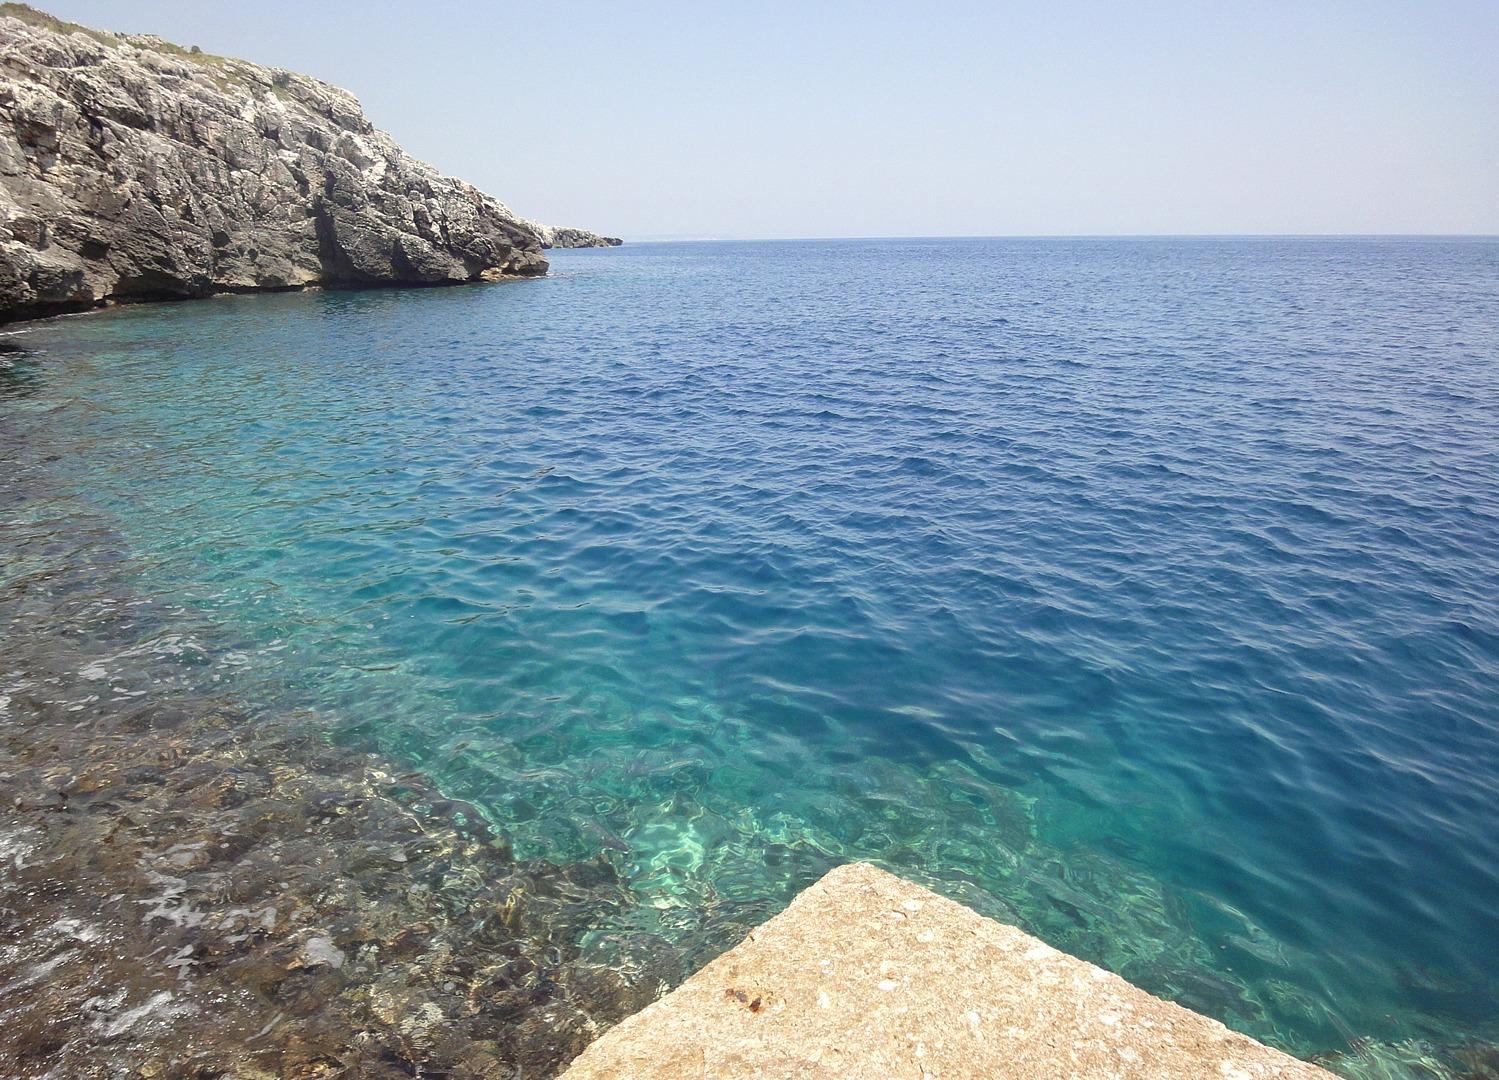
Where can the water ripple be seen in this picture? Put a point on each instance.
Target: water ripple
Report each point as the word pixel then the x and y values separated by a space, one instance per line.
pixel 1141 592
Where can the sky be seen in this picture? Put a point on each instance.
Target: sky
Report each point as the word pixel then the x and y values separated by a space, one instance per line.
pixel 764 119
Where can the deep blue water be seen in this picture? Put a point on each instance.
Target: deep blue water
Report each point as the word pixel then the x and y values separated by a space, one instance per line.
pixel 1141 592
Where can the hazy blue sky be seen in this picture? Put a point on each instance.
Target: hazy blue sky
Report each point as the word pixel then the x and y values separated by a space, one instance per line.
pixel 872 119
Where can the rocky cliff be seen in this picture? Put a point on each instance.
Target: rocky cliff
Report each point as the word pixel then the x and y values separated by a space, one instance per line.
pixel 135 169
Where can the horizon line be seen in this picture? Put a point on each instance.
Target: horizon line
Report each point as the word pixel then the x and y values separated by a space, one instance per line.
pixel 679 239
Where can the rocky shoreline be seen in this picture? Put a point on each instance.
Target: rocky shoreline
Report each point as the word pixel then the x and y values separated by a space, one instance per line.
pixel 197 895
pixel 133 169
pixel 195 888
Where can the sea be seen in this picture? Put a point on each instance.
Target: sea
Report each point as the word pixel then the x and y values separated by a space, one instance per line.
pixel 1143 593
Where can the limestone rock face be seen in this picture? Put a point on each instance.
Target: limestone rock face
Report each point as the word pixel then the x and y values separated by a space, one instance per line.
pixel 134 169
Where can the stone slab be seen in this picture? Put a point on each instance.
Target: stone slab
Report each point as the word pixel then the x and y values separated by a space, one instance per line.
pixel 866 975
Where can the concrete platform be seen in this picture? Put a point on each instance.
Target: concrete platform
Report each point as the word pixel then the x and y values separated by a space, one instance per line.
pixel 869 976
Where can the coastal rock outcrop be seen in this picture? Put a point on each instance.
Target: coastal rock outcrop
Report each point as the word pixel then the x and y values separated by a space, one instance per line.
pixel 556 236
pixel 135 169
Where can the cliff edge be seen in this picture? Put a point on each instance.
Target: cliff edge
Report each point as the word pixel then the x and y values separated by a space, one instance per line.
pixel 135 169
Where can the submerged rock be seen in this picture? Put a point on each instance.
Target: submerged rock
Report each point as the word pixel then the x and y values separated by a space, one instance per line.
pixel 190 887
pixel 151 929
pixel 135 169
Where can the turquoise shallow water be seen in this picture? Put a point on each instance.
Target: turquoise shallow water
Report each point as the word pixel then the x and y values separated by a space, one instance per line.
pixel 1145 593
